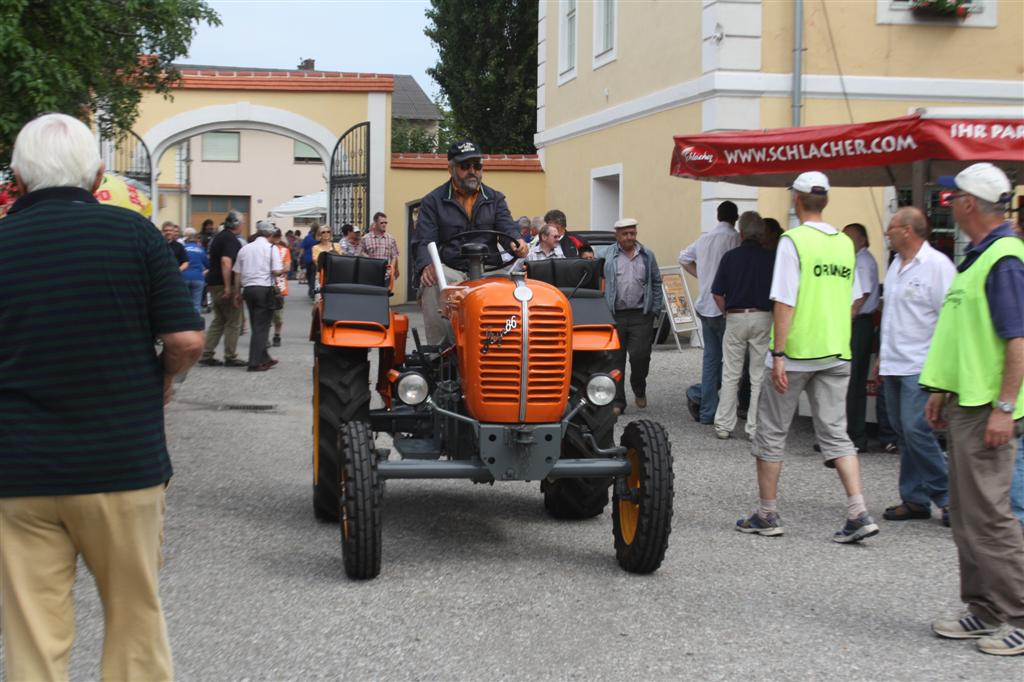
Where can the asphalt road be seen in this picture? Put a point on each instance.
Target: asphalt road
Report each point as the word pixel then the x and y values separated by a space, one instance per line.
pixel 478 583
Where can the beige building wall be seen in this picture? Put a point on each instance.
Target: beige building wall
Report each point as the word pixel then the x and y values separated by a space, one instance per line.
pixel 266 173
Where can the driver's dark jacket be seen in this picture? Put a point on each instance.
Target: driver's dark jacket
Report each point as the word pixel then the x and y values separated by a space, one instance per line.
pixel 442 218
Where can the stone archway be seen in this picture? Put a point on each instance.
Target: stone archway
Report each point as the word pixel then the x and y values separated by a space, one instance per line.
pixel 240 115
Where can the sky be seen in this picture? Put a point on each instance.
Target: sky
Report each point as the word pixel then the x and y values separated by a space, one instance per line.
pixel 378 36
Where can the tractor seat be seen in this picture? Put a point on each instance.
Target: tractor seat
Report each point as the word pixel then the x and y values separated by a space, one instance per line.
pixel 355 289
pixel 567 273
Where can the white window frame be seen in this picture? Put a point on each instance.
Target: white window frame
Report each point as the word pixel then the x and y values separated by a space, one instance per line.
pixel 567 58
pixel 983 14
pixel 601 10
pixel 204 138
pixel 604 173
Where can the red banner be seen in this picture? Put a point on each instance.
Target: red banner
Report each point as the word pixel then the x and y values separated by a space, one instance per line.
pixel 895 142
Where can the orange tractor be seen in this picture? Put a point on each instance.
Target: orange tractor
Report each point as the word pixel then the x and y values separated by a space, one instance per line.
pixel 521 391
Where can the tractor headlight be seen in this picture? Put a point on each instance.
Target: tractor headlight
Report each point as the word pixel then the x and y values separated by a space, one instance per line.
pixel 601 390
pixel 412 388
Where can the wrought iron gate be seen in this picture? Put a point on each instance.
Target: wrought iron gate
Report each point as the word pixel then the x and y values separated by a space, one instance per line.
pixel 127 155
pixel 349 189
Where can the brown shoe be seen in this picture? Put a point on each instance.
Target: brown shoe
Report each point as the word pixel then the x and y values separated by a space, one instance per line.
pixel 906 511
pixel 641 401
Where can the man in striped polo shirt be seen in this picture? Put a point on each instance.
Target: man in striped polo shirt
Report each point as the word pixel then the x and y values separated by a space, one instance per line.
pixel 83 456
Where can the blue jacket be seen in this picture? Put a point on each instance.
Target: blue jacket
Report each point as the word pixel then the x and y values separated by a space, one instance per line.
pixel 307 248
pixel 442 218
pixel 654 300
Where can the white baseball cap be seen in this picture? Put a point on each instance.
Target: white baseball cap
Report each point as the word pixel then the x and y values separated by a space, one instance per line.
pixel 982 180
pixel 811 182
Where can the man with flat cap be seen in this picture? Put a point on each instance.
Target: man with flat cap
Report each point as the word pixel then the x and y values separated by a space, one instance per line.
pixel 462 204
pixel 975 368
pixel 632 288
pixel 816 292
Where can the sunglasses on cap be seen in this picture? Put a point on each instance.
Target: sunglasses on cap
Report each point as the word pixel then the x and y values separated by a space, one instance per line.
pixel 466 165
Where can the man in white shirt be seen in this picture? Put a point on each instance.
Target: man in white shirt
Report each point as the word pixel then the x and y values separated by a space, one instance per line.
pixel 701 259
pixel 915 288
pixel 862 338
pixel 547 245
pixel 816 290
pixel 257 264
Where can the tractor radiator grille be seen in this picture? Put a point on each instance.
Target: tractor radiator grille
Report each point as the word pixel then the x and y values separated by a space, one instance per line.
pixel 502 363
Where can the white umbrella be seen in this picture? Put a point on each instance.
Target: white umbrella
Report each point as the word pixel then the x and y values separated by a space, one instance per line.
pixel 309 206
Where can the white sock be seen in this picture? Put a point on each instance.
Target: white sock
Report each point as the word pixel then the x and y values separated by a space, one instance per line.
pixel 767 508
pixel 855 506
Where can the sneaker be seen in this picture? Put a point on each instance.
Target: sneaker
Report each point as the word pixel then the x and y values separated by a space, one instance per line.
pixel 1006 641
pixel 276 341
pixel 856 529
pixel 754 523
pixel 210 362
pixel 640 401
pixel 906 511
pixel 722 435
pixel 968 627
pixel 890 448
pixel 235 362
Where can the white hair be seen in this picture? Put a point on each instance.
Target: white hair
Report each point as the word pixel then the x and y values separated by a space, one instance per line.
pixel 190 234
pixel 56 150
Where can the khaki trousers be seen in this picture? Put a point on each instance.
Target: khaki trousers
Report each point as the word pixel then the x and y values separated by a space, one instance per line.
pixel 437 328
pixel 745 334
pixel 227 322
pixel 989 539
pixel 119 536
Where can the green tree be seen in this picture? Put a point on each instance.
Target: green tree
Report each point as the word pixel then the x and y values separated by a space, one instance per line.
pixel 409 137
pixel 89 58
pixel 488 69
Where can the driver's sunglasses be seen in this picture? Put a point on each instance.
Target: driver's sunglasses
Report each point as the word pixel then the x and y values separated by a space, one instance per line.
pixel 476 165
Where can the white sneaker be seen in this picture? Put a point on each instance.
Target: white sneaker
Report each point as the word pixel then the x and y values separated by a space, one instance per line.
pixel 1006 641
pixel 967 627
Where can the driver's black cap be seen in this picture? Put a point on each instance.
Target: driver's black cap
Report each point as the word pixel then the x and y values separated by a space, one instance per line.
pixel 460 151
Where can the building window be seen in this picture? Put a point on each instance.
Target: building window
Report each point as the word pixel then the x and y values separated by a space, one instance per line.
pixel 221 146
pixel 604 32
pixel 605 196
pixel 982 14
pixel 567 41
pixel 303 153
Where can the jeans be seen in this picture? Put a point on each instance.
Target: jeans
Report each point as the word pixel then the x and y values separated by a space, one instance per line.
pixel 195 290
pixel 924 474
pixel 886 434
pixel 1017 487
pixel 713 331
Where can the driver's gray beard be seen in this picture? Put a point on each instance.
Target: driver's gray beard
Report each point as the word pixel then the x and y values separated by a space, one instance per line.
pixel 469 184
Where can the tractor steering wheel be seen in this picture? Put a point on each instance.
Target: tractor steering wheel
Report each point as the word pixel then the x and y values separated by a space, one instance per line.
pixel 500 235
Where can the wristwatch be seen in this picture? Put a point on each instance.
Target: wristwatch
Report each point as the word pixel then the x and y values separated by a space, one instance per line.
pixel 778 354
pixel 1008 408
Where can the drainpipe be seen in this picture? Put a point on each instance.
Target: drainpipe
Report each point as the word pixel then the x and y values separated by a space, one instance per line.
pixel 798 94
pixel 798 53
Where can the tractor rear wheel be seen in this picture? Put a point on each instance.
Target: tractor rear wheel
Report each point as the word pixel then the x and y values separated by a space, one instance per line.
pixel 360 503
pixel 341 394
pixel 642 512
pixel 583 498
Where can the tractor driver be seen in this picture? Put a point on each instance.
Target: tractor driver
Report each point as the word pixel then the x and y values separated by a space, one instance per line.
pixel 461 205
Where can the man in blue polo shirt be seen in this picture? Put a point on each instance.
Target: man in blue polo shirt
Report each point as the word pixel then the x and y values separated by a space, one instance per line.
pixel 740 290
pixel 83 457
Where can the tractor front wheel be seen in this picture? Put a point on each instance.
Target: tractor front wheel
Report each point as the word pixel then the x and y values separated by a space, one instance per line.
pixel 642 507
pixel 360 503
pixel 341 394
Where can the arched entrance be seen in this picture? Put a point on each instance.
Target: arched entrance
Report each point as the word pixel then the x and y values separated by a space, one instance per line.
pixel 238 116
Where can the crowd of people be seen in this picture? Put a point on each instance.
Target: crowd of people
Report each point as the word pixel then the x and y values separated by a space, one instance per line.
pixel 83 455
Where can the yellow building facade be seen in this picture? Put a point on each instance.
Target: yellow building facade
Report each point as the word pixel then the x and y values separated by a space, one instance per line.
pixel 616 80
